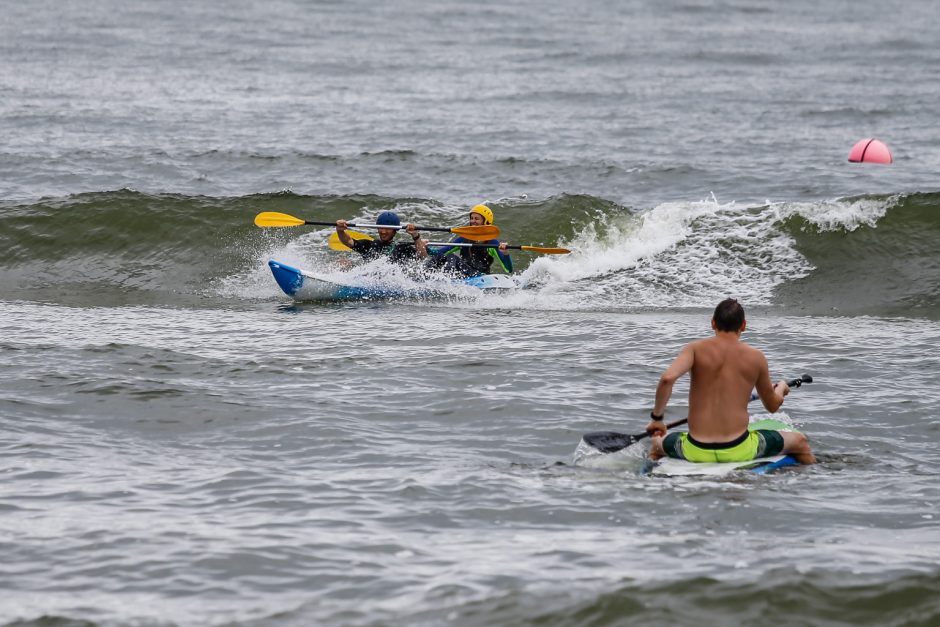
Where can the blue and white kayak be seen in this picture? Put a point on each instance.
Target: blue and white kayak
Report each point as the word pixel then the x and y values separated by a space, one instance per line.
pixel 305 285
pixel 681 468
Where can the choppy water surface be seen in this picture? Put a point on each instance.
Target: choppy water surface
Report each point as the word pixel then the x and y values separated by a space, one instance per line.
pixel 181 444
pixel 285 464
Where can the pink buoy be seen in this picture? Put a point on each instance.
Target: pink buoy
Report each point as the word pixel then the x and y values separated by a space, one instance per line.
pixel 870 151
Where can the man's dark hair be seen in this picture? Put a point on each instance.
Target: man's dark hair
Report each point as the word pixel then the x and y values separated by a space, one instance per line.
pixel 729 315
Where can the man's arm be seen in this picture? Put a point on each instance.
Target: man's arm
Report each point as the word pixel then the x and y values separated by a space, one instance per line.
pixel 770 395
pixel 421 245
pixel 342 234
pixel 679 366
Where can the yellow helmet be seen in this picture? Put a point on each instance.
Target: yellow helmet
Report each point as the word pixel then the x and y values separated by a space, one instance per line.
pixel 484 211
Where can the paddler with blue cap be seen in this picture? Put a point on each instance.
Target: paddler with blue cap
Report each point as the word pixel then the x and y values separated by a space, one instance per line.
pixel 386 246
pixel 469 261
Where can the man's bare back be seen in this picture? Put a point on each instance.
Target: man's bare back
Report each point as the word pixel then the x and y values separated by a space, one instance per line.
pixel 724 372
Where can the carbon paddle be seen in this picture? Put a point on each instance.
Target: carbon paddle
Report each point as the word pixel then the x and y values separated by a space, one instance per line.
pixel 611 441
pixel 531 249
pixel 479 233
pixel 335 244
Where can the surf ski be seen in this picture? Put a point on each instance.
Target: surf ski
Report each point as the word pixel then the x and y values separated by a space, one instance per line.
pixel 306 285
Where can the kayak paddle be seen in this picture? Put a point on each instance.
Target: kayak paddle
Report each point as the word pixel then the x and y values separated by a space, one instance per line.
pixel 480 233
pixel 611 441
pixel 335 244
pixel 531 249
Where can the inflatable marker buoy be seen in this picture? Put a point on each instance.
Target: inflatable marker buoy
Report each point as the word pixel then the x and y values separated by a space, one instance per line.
pixel 870 151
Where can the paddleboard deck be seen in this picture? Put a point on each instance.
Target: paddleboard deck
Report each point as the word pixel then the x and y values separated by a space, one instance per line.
pixel 305 285
pixel 682 468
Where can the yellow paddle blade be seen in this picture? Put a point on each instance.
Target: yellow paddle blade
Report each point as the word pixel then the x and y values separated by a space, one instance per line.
pixel 477 233
pixel 273 218
pixel 546 251
pixel 335 244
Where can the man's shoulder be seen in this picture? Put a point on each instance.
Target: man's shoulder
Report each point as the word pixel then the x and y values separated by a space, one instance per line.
pixel 750 350
pixel 709 345
pixel 704 342
pixel 751 357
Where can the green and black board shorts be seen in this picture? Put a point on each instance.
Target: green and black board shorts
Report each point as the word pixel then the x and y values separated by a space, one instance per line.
pixel 751 445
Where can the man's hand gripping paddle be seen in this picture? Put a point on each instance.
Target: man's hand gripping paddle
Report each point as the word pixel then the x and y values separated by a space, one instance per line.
pixel 611 441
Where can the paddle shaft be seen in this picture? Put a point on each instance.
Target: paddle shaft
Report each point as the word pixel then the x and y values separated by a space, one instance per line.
pixel 611 442
pixel 383 226
pixel 679 423
pixel 479 233
pixel 793 383
pixel 537 249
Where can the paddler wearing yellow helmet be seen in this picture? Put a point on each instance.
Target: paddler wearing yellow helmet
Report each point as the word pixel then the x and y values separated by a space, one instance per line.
pixel 468 261
pixel 483 212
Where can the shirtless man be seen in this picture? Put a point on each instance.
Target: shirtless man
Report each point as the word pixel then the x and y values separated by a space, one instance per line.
pixel 724 371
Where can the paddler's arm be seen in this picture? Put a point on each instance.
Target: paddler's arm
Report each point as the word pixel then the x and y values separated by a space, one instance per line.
pixel 679 366
pixel 502 254
pixel 342 235
pixel 771 396
pixel 421 245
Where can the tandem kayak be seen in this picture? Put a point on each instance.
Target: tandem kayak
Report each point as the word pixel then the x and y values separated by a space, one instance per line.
pixel 680 467
pixel 305 285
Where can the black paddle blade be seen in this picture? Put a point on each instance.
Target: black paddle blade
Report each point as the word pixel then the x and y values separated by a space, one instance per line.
pixel 608 441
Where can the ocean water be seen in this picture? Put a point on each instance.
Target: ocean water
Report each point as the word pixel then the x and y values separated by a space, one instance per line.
pixel 183 444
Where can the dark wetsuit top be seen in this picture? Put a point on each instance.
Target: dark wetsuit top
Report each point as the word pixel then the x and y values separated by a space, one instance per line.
pixel 474 260
pixel 377 249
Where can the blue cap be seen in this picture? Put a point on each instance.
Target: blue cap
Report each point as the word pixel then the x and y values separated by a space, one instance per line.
pixel 389 218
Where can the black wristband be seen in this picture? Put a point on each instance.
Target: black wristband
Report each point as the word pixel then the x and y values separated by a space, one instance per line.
pixel 657 418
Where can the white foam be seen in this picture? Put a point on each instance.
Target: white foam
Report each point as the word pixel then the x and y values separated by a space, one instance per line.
pixel 687 254
pixel 256 282
pixel 839 214
pixel 679 254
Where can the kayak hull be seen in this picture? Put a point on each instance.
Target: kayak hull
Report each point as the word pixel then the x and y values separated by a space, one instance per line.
pixel 682 468
pixel 304 285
